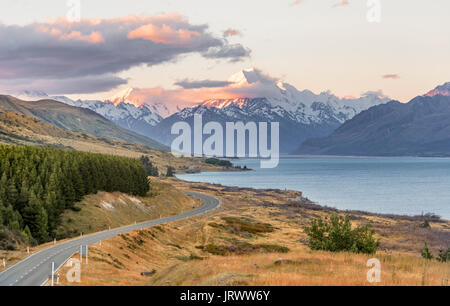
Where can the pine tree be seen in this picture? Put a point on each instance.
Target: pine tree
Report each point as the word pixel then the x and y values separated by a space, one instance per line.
pixel 38 184
pixel 3 189
pixel 170 171
pixel 36 218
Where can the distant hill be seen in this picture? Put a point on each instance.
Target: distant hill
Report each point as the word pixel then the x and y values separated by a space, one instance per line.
pixel 418 128
pixel 75 119
pixel 17 129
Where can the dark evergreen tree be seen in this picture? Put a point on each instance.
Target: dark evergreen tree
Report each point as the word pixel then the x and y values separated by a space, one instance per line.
pixel 38 184
pixel 170 171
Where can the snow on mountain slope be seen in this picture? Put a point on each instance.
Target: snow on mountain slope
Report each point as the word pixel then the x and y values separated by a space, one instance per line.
pixel 259 97
pixel 138 97
pixel 302 114
pixel 301 106
pixel 443 90
pixel 138 119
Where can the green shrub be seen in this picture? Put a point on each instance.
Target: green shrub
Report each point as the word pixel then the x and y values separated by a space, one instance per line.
pixel 426 252
pixel 425 224
pixel 170 172
pixel 150 169
pixel 444 255
pixel 336 235
pixel 237 225
pixel 242 248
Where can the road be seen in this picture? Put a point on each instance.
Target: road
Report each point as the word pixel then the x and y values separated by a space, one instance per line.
pixel 36 268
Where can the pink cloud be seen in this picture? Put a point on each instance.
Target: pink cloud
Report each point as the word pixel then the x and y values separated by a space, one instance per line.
pixel 232 32
pixel 163 34
pixel 94 37
pixel 252 83
pixel 342 3
pixel 297 2
pixel 391 76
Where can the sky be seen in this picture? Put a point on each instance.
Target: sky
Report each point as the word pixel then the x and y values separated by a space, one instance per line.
pixel 190 48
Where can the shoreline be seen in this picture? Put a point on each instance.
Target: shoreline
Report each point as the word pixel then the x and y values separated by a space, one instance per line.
pixel 427 216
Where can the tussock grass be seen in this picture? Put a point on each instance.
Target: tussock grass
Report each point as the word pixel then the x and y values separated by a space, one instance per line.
pixel 233 257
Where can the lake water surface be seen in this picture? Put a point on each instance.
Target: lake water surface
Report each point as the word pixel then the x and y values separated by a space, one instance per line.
pixel 409 185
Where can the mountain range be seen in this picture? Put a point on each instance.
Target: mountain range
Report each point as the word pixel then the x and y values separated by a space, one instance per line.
pixel 73 118
pixel 420 127
pixel 309 123
pixel 302 114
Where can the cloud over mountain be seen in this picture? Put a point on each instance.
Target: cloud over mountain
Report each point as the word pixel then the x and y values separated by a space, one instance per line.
pixel 100 48
pixel 188 84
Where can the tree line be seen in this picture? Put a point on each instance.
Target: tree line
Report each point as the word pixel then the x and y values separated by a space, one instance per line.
pixel 38 184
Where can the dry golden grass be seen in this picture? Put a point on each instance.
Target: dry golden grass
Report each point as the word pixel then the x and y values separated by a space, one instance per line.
pixel 103 210
pixel 306 268
pixel 175 250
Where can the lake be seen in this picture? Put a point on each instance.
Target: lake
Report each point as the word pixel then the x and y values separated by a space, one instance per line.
pixel 404 185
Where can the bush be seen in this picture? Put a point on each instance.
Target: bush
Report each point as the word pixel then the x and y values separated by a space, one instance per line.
pixel 444 255
pixel 426 252
pixel 150 169
pixel 336 235
pixel 425 224
pixel 170 171
pixel 219 162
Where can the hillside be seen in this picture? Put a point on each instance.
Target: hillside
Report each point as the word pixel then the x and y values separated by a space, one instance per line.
pixel 418 128
pixel 75 119
pixel 18 129
pixel 103 210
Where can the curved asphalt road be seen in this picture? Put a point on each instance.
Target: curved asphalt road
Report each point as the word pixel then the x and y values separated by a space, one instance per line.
pixel 35 269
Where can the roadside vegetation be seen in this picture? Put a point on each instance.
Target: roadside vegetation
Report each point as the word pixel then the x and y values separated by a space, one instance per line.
pixel 443 254
pixel 335 234
pixel 170 171
pixel 150 169
pixel 38 184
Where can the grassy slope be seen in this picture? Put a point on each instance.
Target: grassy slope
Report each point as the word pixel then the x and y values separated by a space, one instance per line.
pixel 104 210
pixel 182 252
pixel 74 119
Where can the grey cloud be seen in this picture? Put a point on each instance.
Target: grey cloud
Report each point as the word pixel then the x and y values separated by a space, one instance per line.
pixel 63 50
pixel 81 85
pixel 187 84
pixel 234 52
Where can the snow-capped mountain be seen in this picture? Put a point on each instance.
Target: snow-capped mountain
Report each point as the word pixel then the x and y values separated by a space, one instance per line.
pixel 124 114
pixel 301 106
pixel 443 90
pixel 138 119
pixel 302 114
pixel 139 97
